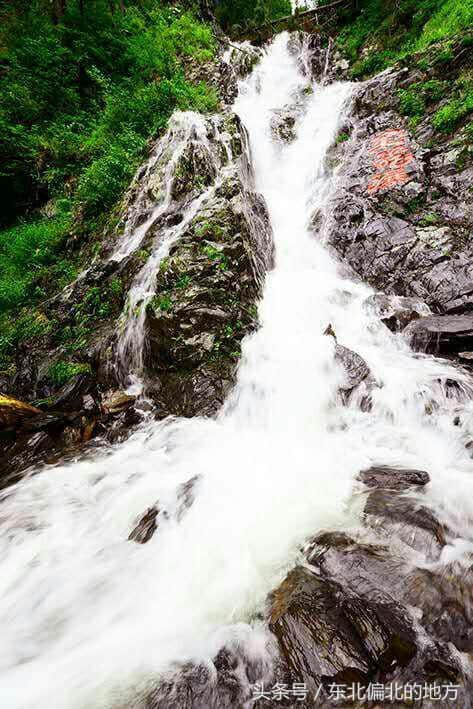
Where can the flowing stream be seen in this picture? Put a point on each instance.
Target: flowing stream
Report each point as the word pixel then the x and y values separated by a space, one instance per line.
pixel 86 615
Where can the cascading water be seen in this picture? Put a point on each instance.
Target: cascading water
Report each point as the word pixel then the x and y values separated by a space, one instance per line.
pixel 89 618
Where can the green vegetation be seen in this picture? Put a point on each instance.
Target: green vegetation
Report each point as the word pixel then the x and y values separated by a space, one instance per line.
pixel 457 108
pixel 415 100
pixel 29 258
pixel 244 13
pixel 83 87
pixel 61 372
pixel 342 138
pixel 388 30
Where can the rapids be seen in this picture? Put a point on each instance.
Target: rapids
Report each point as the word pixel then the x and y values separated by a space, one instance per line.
pixel 88 618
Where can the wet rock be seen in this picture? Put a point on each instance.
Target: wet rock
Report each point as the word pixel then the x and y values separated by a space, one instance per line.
pixel 225 682
pixel 70 396
pixel 14 412
pixel 396 312
pixel 186 495
pixel 444 598
pixel 283 123
pixel 206 294
pixel 317 56
pixel 401 217
pixel 371 570
pixel 355 367
pixel 20 453
pixel 118 401
pixel 327 634
pixel 408 519
pixel 393 478
pixel 441 334
pixel 393 587
pixel 146 527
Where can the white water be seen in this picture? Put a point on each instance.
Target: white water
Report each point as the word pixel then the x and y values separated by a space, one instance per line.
pixel 84 612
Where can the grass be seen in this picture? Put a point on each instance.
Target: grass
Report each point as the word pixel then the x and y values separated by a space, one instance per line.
pixel 29 257
pixel 389 30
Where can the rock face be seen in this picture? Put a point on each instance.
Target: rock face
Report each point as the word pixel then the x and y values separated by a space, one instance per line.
pixel 328 635
pixel 206 291
pixel 403 215
pixel 441 334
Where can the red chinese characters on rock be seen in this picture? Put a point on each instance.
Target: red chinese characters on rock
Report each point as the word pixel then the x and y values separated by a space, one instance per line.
pixel 391 158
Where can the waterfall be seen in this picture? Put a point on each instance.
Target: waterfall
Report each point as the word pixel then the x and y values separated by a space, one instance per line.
pixel 90 619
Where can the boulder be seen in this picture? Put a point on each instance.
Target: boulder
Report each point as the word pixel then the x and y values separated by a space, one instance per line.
pixel 414 523
pixel 386 477
pixel 355 367
pixel 444 597
pixel 327 634
pixel 441 334
pixel 14 412
pixel 395 311
pixel 371 570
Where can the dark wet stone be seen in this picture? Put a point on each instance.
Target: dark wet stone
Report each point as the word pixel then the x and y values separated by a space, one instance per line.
pixel 393 478
pixel 355 367
pixel 442 334
pixel 70 396
pixel 364 568
pixel 146 527
pixel 205 302
pixel 444 597
pixel 408 519
pixel 326 634
pixel 225 683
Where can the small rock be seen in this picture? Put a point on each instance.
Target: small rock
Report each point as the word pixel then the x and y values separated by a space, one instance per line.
pixel 283 123
pixel 146 527
pixel 355 367
pixel 118 401
pixel 393 478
